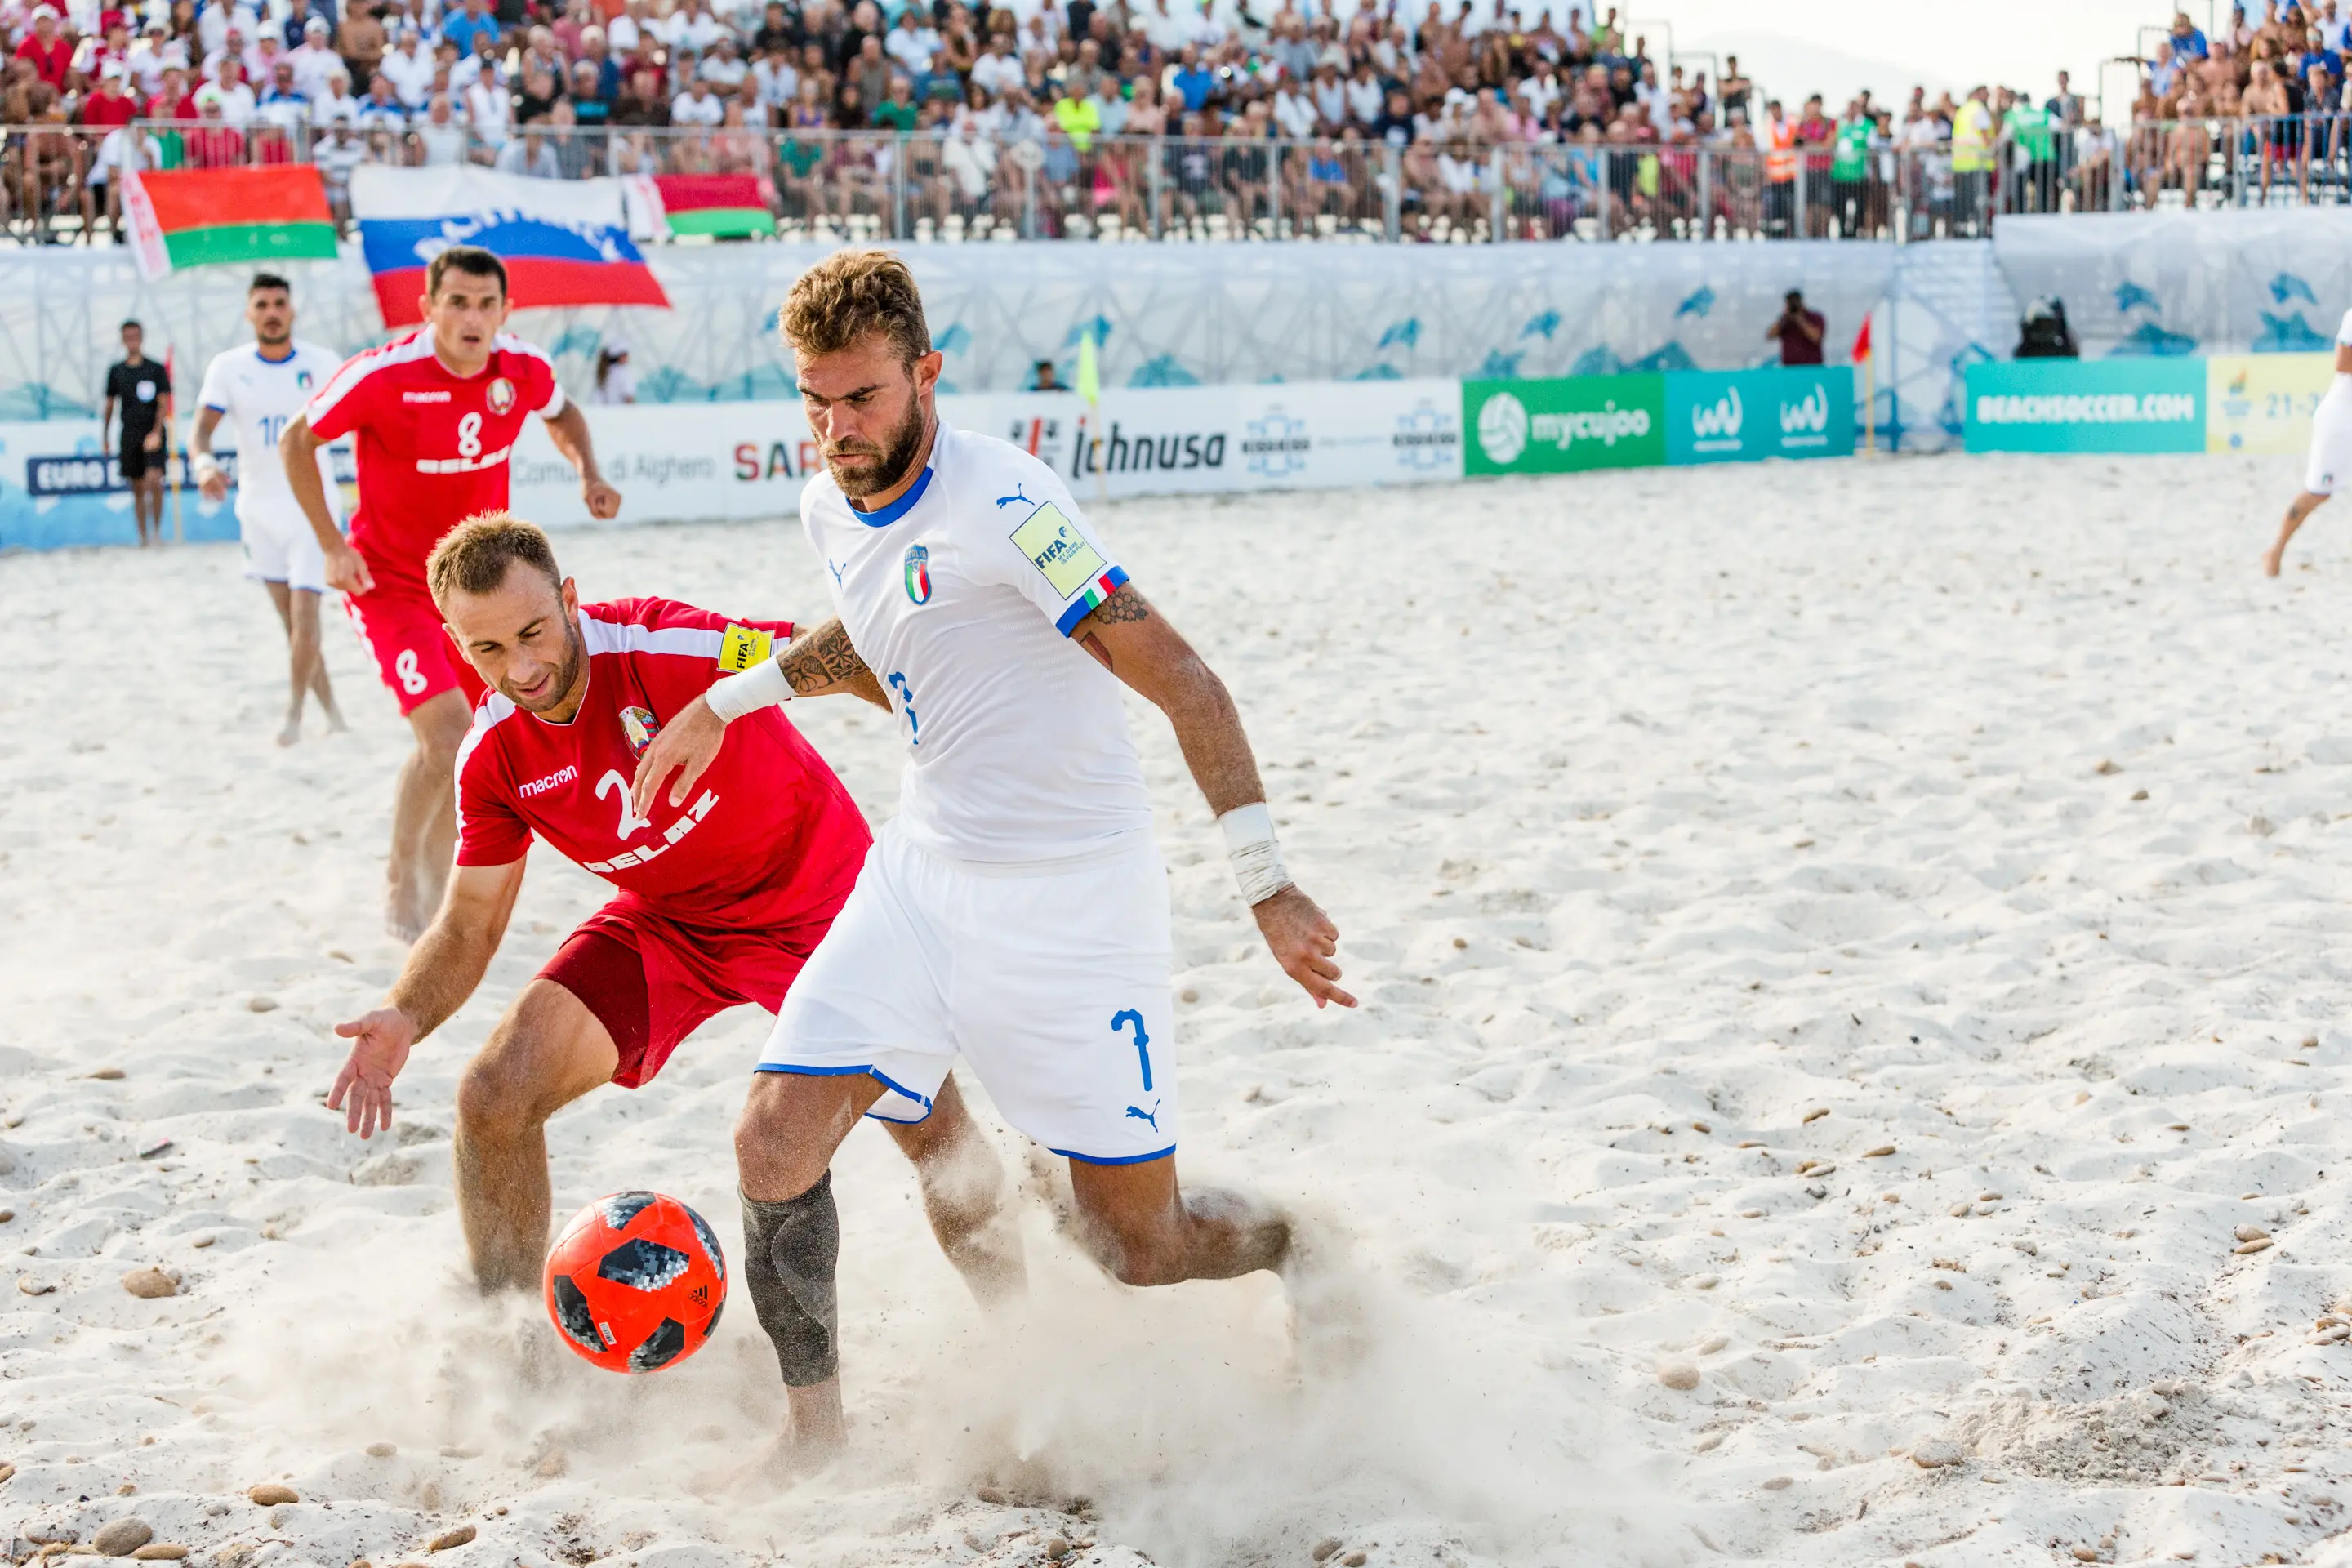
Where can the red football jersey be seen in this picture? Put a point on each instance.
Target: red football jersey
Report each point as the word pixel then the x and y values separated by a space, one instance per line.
pixel 432 446
pixel 769 832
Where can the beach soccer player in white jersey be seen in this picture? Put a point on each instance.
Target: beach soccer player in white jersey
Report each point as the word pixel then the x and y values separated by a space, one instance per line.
pixel 1016 908
pixel 259 391
pixel 2329 463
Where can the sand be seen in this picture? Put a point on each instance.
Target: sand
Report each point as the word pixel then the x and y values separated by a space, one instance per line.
pixel 1972 828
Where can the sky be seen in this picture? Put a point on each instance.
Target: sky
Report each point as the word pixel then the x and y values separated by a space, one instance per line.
pixel 1793 48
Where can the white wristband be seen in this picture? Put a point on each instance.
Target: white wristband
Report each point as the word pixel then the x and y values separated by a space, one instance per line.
pixel 762 686
pixel 1255 856
pixel 206 466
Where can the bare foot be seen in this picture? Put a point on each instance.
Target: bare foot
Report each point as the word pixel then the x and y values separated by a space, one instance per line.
pixel 291 730
pixel 2270 559
pixel 404 913
pixel 812 1435
pixel 335 725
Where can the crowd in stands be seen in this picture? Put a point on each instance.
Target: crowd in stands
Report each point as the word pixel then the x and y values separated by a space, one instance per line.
pixel 1263 115
pixel 2290 61
pixel 2281 71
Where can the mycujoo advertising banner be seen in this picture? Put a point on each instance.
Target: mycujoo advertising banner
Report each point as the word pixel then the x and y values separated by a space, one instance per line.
pixel 2262 402
pixel 1566 425
pixel 1744 416
pixel 2136 405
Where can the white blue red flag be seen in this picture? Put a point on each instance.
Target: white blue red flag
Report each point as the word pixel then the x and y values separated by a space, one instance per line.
pixel 565 242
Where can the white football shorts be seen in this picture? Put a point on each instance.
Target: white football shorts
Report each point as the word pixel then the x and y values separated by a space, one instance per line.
pixel 2330 462
pixel 1051 980
pixel 280 546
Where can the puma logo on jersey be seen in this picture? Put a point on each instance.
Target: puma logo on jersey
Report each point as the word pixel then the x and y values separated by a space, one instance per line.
pixel 568 774
pixel 1016 496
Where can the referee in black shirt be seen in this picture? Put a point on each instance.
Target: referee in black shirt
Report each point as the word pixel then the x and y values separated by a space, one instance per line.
pixel 138 386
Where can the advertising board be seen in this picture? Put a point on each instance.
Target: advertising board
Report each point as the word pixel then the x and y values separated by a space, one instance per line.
pixel 2262 402
pixel 1564 426
pixel 1745 416
pixel 2134 404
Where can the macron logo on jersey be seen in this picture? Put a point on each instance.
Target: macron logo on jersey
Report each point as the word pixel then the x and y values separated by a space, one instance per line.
pixel 568 774
pixel 424 397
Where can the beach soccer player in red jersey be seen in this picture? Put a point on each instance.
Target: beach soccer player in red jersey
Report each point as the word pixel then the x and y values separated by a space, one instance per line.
pixel 718 902
pixel 436 415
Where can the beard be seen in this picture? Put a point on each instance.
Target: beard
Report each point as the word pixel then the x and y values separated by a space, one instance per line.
pixel 574 651
pixel 897 456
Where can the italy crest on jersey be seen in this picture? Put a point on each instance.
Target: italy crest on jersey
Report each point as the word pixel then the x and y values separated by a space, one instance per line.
pixel 303 379
pixel 637 724
pixel 919 573
pixel 499 396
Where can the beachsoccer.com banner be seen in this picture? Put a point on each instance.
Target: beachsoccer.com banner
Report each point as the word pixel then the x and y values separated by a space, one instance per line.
pixel 1571 424
pixel 2151 404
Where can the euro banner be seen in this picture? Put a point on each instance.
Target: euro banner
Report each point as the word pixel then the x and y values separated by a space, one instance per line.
pixel 2132 404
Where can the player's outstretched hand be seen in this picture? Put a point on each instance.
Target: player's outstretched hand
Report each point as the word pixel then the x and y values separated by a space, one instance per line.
pixel 347 569
pixel 603 500
pixel 1303 939
pixel 362 1091
pixel 685 747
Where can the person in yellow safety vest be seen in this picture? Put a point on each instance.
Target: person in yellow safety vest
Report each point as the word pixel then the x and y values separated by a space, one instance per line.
pixel 1778 136
pixel 1079 117
pixel 1972 155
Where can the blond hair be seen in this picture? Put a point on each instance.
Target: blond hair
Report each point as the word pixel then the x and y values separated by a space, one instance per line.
pixel 853 293
pixel 473 556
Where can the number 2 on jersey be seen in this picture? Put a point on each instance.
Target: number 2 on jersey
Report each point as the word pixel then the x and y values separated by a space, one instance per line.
pixel 630 821
pixel 907 706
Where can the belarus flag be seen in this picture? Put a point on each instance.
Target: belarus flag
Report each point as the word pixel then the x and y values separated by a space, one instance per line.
pixel 189 218
pixel 722 206
pixel 565 242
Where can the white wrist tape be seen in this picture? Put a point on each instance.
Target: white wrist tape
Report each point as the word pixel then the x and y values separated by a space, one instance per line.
pixel 1256 857
pixel 762 686
pixel 206 466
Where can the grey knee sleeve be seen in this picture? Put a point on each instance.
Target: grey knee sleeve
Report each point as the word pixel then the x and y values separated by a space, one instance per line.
pixel 790 1250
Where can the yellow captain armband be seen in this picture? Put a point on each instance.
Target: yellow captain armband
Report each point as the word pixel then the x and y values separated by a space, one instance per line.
pixel 743 647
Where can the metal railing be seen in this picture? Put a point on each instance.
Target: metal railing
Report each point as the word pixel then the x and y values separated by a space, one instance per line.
pixel 58 182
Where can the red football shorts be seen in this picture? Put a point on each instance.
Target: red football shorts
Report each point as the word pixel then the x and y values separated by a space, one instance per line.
pixel 401 629
pixel 651 981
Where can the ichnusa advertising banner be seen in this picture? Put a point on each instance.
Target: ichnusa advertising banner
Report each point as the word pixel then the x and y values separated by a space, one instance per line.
pixel 1564 426
pixel 1746 415
pixel 2137 405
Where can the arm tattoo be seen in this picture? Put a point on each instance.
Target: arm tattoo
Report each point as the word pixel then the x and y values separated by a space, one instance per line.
pixel 1125 605
pixel 822 660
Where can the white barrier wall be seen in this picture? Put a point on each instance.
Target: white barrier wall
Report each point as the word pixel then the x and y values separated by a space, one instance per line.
pixel 2182 282
pixel 1166 315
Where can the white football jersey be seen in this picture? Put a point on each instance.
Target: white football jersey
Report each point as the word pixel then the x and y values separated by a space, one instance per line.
pixel 960 596
pixel 258 398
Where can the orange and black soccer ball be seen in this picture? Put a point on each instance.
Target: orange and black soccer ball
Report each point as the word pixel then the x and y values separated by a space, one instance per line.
pixel 635 1282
